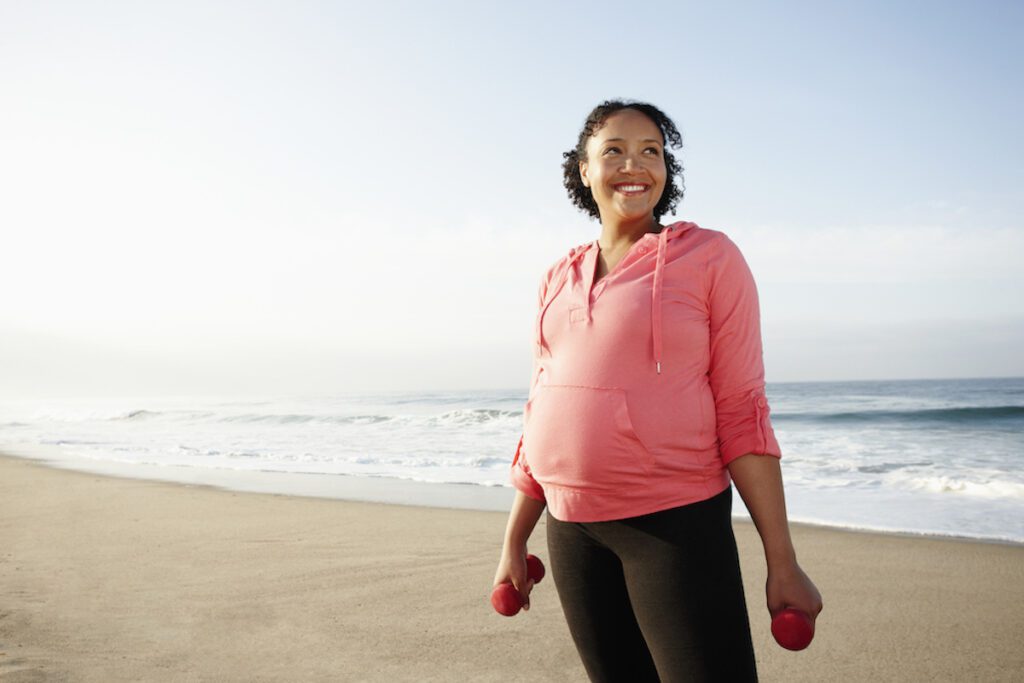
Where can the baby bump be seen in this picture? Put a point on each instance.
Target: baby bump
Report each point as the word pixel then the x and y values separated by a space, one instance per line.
pixel 583 437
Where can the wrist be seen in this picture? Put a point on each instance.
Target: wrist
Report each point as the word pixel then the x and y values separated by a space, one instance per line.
pixel 780 559
pixel 514 545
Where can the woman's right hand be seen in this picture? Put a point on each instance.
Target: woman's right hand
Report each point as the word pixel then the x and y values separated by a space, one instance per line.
pixel 789 586
pixel 512 566
pixel 512 569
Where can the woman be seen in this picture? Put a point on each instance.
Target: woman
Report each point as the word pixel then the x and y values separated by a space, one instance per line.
pixel 647 399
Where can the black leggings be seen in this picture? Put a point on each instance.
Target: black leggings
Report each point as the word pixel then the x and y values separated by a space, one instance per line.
pixel 656 597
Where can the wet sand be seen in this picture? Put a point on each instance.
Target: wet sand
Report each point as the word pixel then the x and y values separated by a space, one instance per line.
pixel 107 579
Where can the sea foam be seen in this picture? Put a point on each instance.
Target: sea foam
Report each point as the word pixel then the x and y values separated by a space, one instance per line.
pixel 925 457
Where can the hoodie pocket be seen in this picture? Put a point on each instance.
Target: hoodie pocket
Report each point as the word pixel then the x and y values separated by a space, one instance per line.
pixel 582 437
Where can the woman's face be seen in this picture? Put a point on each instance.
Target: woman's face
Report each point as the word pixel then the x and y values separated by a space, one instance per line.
pixel 625 166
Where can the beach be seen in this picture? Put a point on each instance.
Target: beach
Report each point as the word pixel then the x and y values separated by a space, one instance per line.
pixel 110 579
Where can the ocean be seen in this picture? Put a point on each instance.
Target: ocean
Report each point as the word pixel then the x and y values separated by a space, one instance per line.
pixel 941 457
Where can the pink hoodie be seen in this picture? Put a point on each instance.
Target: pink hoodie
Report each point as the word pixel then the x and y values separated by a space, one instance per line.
pixel 645 384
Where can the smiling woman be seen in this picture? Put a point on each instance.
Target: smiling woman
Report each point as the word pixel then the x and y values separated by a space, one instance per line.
pixel 647 400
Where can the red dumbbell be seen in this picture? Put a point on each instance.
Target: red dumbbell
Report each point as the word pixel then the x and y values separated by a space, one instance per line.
pixel 792 629
pixel 506 599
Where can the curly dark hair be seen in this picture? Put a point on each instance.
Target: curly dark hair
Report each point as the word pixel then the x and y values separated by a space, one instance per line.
pixel 581 195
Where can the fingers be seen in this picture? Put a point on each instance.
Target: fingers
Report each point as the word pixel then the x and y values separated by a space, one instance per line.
pixel 519 576
pixel 793 589
pixel 524 589
pixel 776 598
pixel 513 569
pixel 801 595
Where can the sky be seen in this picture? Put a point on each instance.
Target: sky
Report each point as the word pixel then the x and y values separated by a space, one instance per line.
pixel 314 197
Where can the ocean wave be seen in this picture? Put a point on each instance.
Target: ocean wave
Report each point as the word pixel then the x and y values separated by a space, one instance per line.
pixel 475 416
pixel 193 451
pixel 884 467
pixel 360 419
pixel 138 415
pixel 244 454
pixel 958 415
pixel 966 487
pixel 485 461
pixel 144 414
pixel 295 418
pixel 71 442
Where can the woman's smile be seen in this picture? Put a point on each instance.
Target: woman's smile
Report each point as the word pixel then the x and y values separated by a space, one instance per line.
pixel 631 189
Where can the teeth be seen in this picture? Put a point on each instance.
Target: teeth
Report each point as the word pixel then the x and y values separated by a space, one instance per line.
pixel 632 188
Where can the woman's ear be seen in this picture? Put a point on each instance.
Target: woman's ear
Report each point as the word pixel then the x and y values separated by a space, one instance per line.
pixel 583 174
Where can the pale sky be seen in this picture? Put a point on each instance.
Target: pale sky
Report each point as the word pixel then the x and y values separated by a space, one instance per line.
pixel 253 197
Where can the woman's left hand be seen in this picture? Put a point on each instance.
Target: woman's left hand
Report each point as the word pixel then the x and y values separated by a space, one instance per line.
pixel 789 586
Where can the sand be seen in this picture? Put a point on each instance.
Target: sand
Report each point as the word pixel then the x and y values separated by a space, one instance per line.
pixel 106 579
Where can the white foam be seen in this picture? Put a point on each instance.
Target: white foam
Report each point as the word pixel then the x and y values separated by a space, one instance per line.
pixel 978 489
pixel 958 480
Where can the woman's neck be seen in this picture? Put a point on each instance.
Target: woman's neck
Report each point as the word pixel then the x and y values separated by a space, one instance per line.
pixel 616 235
pixel 616 240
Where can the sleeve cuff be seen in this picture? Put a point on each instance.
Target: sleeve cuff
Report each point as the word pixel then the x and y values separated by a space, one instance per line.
pixel 750 430
pixel 749 446
pixel 521 477
pixel 527 484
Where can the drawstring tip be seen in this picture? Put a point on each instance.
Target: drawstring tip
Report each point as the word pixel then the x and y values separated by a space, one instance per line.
pixel 658 363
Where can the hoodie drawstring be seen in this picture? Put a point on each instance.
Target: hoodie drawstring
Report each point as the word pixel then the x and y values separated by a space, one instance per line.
pixel 588 286
pixel 656 297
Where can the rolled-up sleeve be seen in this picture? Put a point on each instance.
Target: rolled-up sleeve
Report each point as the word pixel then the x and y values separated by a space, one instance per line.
pixel 736 363
pixel 522 479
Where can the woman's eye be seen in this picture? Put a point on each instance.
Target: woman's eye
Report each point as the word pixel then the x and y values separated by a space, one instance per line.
pixel 654 151
pixel 611 150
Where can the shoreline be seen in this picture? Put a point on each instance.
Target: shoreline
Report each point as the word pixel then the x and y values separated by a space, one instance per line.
pixel 386 490
pixel 116 579
pixel 369 489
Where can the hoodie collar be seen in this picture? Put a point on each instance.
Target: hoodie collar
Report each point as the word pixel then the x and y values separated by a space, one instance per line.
pixel 657 288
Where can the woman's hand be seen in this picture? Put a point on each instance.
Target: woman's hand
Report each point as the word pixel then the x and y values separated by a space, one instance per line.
pixel 789 586
pixel 512 567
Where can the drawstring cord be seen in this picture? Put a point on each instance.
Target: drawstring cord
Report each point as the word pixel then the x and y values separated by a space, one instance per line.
pixel 656 297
